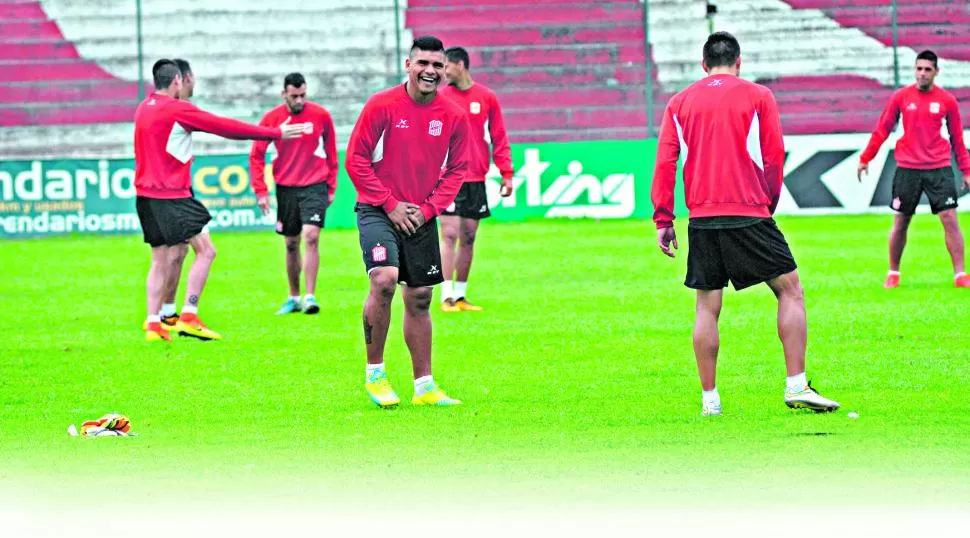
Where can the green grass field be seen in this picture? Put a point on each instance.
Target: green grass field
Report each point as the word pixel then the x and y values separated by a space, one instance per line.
pixel 578 380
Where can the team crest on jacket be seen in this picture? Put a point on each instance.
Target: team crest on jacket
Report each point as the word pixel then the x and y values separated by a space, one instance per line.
pixel 475 107
pixel 934 108
pixel 308 128
pixel 434 128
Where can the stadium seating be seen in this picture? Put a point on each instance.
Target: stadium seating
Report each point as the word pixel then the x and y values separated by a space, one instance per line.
pixel 564 69
pixel 69 84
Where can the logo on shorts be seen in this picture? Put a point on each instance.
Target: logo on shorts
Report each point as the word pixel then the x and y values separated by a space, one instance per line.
pixel 897 203
pixel 379 253
pixel 483 209
pixel 315 217
pixel 451 208
pixel 475 107
pixel 403 124
pixel 950 200
pixel 433 271
pixel 434 128
pixel 279 227
pixel 934 108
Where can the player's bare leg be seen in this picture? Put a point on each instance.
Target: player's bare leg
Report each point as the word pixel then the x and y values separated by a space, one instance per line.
pixel 177 256
pixel 294 264
pixel 417 328
pixel 897 242
pixel 793 332
pixel 155 290
pixel 417 334
pixel 311 265
pixel 450 228
pixel 377 311
pixel 707 340
pixel 377 318
pixel 706 344
pixel 463 264
pixel 189 323
pixel 954 245
pixel 293 267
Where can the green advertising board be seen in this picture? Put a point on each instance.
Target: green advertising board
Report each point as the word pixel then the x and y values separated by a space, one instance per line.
pixel 597 180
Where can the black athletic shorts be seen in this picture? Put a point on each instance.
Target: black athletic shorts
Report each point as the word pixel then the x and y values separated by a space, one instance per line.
pixel 909 184
pixel 746 251
pixel 296 206
pixel 418 257
pixel 471 202
pixel 171 222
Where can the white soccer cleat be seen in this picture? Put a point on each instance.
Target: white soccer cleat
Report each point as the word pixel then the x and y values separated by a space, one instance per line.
pixel 710 410
pixel 808 398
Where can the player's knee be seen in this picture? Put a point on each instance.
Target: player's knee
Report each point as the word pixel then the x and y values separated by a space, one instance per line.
pixel 949 219
pixel 383 284
pixel 311 238
pixel 421 300
pixel 449 234
pixel 208 252
pixel 468 237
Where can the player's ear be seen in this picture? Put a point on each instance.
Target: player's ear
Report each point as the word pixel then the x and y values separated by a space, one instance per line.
pixel 704 67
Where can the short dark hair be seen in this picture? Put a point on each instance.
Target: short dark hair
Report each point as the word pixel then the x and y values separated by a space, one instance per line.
pixel 428 43
pixel 928 55
pixel 164 73
pixel 184 66
pixel 721 49
pixel 293 79
pixel 458 54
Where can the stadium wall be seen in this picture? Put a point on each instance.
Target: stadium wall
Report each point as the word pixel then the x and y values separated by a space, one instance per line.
pixel 591 180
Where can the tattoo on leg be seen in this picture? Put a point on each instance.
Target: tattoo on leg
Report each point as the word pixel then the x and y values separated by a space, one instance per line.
pixel 368 330
pixel 193 300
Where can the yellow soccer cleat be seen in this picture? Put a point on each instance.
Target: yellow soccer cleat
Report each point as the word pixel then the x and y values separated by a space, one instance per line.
pixel 191 325
pixel 156 334
pixel 448 305
pixel 436 397
pixel 464 306
pixel 379 389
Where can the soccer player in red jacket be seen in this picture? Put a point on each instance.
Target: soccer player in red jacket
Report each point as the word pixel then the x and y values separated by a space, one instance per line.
pixel 459 222
pixel 170 216
pixel 923 159
pixel 305 174
pixel 728 132
pixel 394 158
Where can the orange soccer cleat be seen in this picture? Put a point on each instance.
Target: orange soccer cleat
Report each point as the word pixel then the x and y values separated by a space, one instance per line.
pixel 892 281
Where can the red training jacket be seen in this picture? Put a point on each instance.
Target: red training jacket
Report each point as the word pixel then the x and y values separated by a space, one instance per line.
pixel 487 127
pixel 299 162
pixel 922 146
pixel 728 131
pixel 163 143
pixel 398 147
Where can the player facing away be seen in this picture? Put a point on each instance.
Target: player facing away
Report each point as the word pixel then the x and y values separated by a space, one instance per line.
pixel 459 222
pixel 728 131
pixel 169 214
pixel 305 173
pixel 394 158
pixel 923 160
